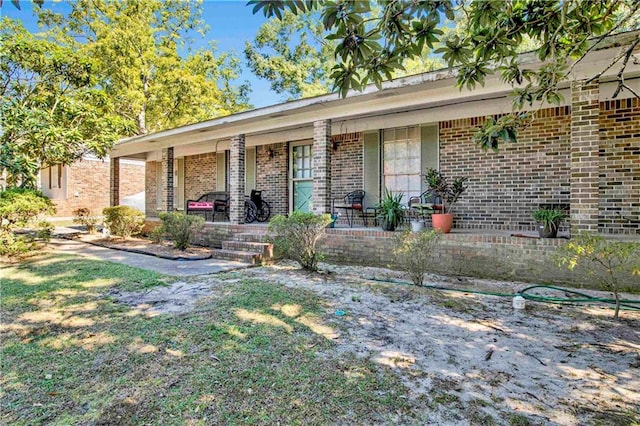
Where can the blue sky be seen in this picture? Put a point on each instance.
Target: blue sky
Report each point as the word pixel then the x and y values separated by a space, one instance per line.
pixel 231 24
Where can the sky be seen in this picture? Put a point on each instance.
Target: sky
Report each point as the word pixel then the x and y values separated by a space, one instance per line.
pixel 231 23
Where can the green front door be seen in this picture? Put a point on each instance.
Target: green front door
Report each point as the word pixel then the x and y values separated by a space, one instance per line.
pixel 302 177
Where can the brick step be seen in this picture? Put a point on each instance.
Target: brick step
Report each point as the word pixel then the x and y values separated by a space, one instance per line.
pixel 237 255
pixel 264 249
pixel 254 237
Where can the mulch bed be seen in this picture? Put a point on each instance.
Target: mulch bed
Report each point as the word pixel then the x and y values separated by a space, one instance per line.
pixel 163 250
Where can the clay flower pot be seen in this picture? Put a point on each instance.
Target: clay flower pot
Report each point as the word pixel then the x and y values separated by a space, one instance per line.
pixel 442 222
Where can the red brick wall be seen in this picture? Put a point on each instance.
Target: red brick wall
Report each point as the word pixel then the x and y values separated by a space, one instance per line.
pixel 150 188
pixel 89 179
pixel 619 209
pixel 346 164
pixel 505 187
pixel 272 176
pixel 199 175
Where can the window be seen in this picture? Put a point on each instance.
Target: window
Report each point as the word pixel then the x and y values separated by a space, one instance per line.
pixel 402 163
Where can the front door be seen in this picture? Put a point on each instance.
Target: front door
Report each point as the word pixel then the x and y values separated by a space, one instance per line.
pixel 302 177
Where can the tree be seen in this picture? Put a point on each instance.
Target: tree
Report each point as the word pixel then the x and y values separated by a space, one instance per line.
pixel 294 56
pixel 371 47
pixel 144 57
pixel 51 111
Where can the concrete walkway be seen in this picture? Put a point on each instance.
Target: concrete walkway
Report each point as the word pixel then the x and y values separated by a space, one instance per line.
pixel 179 268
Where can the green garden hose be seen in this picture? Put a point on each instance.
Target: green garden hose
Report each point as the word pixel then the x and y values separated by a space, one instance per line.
pixel 580 297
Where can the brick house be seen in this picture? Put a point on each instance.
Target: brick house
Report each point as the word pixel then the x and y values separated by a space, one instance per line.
pixel 583 153
pixel 85 183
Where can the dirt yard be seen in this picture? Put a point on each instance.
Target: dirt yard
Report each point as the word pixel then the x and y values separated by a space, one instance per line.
pixel 469 358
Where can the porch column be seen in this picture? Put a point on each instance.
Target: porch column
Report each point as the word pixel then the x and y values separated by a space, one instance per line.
pixel 321 197
pixel 114 181
pixel 236 180
pixel 585 145
pixel 167 180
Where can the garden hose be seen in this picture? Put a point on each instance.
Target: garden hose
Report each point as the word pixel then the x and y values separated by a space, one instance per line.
pixel 626 304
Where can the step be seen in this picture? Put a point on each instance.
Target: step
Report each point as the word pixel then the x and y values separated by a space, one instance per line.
pixel 237 255
pixel 255 237
pixel 264 249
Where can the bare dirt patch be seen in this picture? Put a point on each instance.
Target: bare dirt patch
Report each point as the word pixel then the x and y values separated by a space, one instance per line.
pixel 470 358
pixel 164 250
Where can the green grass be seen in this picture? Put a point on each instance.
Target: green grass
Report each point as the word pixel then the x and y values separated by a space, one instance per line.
pixel 252 354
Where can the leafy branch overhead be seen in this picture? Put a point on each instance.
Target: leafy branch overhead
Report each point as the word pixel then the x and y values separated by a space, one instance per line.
pixel 371 45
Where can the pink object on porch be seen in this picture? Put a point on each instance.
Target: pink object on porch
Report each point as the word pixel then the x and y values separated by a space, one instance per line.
pixel 199 205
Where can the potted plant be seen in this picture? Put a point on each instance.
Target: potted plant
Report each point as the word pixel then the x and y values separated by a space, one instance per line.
pixel 448 193
pixel 549 220
pixel 390 210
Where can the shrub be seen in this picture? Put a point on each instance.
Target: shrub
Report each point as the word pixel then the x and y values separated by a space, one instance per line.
pixel 18 207
pixel 84 217
pixel 124 221
pixel 603 259
pixel 413 253
pixel 12 245
pixel 157 235
pixel 180 228
pixel 44 230
pixel 295 237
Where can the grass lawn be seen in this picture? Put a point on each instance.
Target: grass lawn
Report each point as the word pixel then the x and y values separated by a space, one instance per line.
pixel 253 353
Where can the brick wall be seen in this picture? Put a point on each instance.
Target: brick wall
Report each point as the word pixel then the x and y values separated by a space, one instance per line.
pixel 150 188
pixel 346 164
pixel 272 176
pixel 90 181
pixel 619 184
pixel 505 187
pixel 199 175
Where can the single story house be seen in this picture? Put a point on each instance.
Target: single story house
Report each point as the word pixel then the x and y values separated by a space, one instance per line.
pixel 85 184
pixel 583 154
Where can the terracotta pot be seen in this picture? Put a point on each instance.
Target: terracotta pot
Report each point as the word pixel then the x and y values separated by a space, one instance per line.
pixel 442 222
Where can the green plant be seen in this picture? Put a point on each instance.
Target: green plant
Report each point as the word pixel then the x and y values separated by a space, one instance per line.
pixel 84 217
pixel 605 260
pixel 549 218
pixel 391 210
pixel 12 245
pixel 449 193
pixel 295 236
pixel 124 221
pixel 18 207
pixel 44 230
pixel 413 251
pixel 180 228
pixel 157 235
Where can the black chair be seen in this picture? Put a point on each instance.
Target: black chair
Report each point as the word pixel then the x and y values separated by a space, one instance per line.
pixel 424 205
pixel 350 203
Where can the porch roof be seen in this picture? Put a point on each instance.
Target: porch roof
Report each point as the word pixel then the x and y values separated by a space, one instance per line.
pixel 424 98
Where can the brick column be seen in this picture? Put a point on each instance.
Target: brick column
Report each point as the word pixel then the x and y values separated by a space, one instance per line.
pixel 585 145
pixel 236 180
pixel 167 180
pixel 114 181
pixel 321 167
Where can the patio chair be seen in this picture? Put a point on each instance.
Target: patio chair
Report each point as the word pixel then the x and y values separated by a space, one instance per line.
pixel 350 203
pixel 424 205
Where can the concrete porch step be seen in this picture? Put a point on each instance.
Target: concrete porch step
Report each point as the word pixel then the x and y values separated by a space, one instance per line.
pixel 264 249
pixel 237 255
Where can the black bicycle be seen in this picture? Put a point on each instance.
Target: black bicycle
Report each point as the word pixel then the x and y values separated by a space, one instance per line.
pixel 263 210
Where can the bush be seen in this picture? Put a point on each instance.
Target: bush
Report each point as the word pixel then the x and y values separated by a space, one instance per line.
pixel 44 230
pixel 180 228
pixel 603 259
pixel 123 221
pixel 84 217
pixel 413 253
pixel 296 237
pixel 18 207
pixel 12 245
